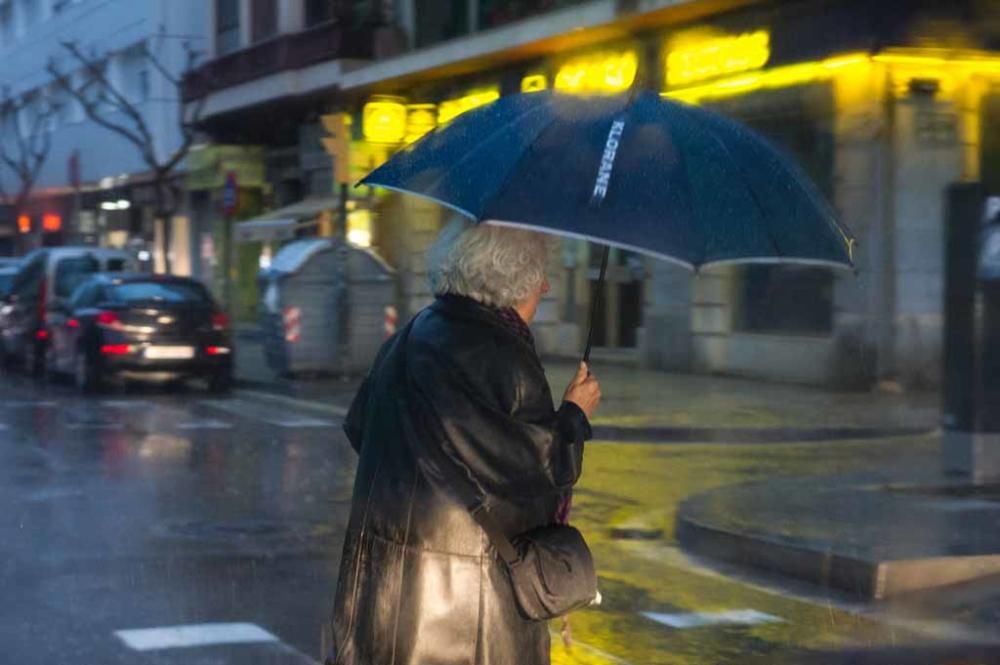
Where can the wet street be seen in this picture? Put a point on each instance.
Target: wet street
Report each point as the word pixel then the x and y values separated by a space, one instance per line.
pixel 154 526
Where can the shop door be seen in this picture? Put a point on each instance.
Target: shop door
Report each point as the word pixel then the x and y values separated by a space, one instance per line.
pixel 619 312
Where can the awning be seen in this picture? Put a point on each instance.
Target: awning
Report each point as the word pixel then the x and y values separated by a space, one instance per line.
pixel 281 224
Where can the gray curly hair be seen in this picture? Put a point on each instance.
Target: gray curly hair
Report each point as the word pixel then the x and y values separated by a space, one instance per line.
pixel 495 265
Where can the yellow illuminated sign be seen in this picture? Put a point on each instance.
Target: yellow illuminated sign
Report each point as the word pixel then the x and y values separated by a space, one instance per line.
pixel 456 107
pixel 598 73
pixel 420 119
pixel 718 57
pixel 779 77
pixel 534 83
pixel 384 121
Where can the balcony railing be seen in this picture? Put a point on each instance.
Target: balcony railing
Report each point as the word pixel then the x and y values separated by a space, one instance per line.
pixel 329 41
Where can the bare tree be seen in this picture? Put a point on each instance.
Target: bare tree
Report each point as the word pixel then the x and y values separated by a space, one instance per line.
pixel 106 104
pixel 25 141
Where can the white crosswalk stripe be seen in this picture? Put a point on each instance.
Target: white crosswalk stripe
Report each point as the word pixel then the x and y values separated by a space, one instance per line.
pixel 744 617
pixel 193 635
pixel 253 410
pixel 207 423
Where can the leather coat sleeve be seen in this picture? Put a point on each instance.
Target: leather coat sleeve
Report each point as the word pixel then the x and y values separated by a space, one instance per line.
pixel 354 422
pixel 496 423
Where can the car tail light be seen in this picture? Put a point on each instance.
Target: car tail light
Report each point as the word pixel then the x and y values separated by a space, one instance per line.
pixel 109 320
pixel 216 350
pixel 42 334
pixel 220 321
pixel 115 349
pixel 72 323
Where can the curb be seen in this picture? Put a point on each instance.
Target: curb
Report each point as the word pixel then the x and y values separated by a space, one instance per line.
pixel 867 578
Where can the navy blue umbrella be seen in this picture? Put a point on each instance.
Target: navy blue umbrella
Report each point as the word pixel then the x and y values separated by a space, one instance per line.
pixel 633 171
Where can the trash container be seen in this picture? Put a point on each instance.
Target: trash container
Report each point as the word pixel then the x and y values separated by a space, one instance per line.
pixel 323 307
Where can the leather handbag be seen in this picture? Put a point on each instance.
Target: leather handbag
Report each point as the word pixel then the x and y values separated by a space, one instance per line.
pixel 550 567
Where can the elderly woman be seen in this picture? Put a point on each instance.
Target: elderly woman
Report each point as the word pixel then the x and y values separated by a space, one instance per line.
pixel 456 410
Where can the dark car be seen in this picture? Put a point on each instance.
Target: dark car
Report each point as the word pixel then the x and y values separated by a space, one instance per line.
pixel 7 274
pixel 140 326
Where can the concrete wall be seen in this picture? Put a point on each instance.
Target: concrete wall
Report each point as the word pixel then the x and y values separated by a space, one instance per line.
pixel 928 156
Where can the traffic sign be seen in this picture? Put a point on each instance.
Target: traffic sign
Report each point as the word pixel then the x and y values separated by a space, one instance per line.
pixel 230 194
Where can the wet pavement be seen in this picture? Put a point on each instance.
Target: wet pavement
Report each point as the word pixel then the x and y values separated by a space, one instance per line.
pixel 213 527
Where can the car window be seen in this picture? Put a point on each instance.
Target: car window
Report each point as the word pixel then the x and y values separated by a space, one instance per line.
pixel 115 265
pixel 29 279
pixel 172 292
pixel 85 296
pixel 71 272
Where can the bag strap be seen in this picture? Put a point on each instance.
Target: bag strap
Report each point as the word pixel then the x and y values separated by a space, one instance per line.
pixel 480 513
pixel 502 544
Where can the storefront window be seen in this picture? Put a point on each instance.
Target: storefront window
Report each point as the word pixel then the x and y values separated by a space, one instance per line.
pixel 783 299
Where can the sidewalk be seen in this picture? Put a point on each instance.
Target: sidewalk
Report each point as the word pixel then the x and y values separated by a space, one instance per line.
pixel 643 405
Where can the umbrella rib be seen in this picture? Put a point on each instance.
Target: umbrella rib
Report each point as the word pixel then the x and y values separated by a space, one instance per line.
pixel 493 134
pixel 753 195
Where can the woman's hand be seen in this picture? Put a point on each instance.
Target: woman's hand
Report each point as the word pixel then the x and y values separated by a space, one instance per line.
pixel 584 391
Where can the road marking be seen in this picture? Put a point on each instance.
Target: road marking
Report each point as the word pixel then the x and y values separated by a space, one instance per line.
pixel 208 423
pixel 194 635
pixel 114 426
pixel 27 404
pixel 333 409
pixel 300 422
pixel 125 403
pixel 251 411
pixel 701 619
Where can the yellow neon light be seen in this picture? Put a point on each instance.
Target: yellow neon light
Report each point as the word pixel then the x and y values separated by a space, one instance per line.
pixel 456 107
pixel 384 121
pixel 420 119
pixel 718 57
pixel 904 66
pixel 779 77
pixel 598 73
pixel 534 83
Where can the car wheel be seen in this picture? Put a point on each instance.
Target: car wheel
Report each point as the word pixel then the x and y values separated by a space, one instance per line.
pixel 221 382
pixel 85 373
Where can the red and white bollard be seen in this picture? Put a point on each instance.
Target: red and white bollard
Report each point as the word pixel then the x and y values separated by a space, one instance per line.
pixel 292 318
pixel 389 322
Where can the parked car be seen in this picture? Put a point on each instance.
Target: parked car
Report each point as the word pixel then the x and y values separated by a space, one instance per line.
pixel 47 277
pixel 140 326
pixel 7 274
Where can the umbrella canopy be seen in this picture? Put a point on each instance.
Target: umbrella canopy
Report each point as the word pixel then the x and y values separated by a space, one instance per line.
pixel 633 171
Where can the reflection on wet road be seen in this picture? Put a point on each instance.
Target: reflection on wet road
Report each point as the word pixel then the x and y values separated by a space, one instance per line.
pixel 177 528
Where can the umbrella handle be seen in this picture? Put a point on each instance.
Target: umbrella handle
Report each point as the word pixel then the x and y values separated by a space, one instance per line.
pixel 596 303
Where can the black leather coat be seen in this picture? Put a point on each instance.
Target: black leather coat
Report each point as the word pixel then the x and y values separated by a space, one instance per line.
pixel 455 410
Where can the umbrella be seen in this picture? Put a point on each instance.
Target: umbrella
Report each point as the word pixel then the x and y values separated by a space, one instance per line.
pixel 633 171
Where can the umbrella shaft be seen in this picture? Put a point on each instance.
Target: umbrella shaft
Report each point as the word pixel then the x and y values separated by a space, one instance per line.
pixel 595 303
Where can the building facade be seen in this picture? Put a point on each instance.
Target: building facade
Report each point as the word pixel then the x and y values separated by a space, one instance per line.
pixel 882 104
pixel 93 180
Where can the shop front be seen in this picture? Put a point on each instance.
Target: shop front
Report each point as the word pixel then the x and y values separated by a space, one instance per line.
pixel 880 130
pixel 226 184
